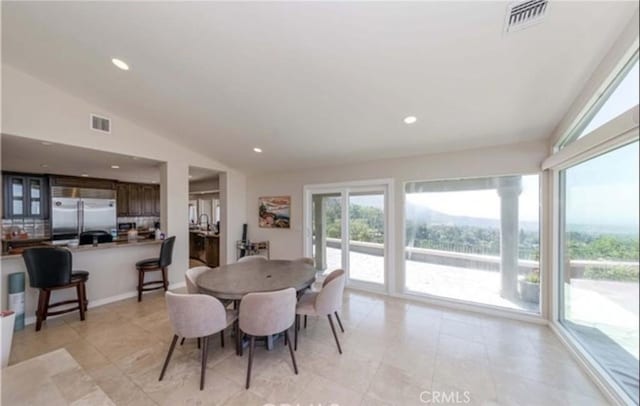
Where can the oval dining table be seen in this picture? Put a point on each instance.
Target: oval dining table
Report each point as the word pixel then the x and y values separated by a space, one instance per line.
pixel 233 281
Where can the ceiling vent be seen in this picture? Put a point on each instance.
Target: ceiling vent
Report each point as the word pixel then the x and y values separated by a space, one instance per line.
pixel 101 124
pixel 523 14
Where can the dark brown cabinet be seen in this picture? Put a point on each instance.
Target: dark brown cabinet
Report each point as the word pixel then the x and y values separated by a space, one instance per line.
pixel 138 199
pixel 25 196
pixel 122 199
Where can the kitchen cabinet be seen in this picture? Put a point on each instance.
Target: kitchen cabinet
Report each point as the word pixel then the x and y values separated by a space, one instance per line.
pixel 25 196
pixel 122 199
pixel 138 199
pixel 79 182
pixel 205 247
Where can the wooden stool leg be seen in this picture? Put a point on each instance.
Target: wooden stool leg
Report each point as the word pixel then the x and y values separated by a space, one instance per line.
pixel 84 297
pixel 165 279
pixel 40 310
pixel 47 297
pixel 80 300
pixel 140 282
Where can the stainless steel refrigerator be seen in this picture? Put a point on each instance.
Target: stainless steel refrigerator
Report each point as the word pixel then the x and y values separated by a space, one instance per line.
pixel 75 210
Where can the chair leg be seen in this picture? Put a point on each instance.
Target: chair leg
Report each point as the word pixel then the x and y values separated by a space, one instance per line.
pixel 40 310
pixel 198 342
pixel 236 326
pixel 339 321
pixel 295 332
pixel 80 300
pixel 165 280
pixel 251 345
pixel 293 357
pixel 47 298
pixel 334 333
pixel 84 297
pixel 205 353
pixel 222 338
pixel 182 341
pixel 166 361
pixel 305 321
pixel 140 282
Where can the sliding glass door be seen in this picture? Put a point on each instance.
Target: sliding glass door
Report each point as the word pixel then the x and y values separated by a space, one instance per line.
pixel 598 260
pixel 347 228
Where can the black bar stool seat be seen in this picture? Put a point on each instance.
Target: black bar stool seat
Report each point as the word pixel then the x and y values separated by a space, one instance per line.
pixel 49 269
pixel 155 264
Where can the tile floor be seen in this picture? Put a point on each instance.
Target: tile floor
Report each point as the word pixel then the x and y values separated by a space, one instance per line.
pixel 394 352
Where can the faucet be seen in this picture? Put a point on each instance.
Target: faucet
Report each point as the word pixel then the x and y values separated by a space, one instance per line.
pixel 200 218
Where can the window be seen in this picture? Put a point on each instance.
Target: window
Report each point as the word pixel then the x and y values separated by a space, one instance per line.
pixel 475 240
pixel 619 97
pixel 599 260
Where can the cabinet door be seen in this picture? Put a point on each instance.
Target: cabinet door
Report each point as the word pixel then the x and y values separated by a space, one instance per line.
pixel 122 199
pixel 35 204
pixel 148 205
pixel 16 196
pixel 135 200
pixel 156 200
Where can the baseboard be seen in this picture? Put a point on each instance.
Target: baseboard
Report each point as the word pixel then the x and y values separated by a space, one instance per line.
pixel 107 300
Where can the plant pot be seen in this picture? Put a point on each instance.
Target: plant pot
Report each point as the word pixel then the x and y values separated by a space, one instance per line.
pixel 529 291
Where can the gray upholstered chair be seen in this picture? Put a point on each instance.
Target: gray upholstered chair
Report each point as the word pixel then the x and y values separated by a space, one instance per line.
pixel 307 260
pixel 190 278
pixel 196 316
pixel 253 258
pixel 324 303
pixel 267 313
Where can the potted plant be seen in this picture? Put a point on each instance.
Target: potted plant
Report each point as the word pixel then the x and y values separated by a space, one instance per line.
pixel 530 287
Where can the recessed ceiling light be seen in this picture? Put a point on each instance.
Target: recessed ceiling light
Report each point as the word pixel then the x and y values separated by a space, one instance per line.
pixel 120 64
pixel 44 166
pixel 258 150
pixel 410 119
pixel 190 176
pixel 115 166
pixel 46 143
pixel 85 175
pixel 154 181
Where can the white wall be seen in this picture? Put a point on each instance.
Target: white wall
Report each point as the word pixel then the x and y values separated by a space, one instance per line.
pixel 288 244
pixel 34 109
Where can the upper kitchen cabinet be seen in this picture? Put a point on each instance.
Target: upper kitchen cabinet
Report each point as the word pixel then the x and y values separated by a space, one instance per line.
pixel 138 199
pixel 25 196
pixel 122 199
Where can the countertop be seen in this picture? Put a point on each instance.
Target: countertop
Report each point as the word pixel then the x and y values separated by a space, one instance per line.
pixel 207 234
pixel 89 247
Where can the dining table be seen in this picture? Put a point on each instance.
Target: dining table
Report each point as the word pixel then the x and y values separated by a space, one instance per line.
pixel 233 281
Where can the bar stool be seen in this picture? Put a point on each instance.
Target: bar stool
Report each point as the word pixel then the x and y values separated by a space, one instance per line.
pixel 156 264
pixel 50 269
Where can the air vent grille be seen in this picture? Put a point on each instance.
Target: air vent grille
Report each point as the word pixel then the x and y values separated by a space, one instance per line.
pixel 101 124
pixel 521 15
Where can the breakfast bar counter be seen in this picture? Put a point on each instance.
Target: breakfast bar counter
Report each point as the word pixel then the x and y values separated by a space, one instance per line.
pixel 111 267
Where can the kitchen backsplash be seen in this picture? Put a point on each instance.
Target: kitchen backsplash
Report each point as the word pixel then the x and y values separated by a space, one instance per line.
pixel 35 228
pixel 141 222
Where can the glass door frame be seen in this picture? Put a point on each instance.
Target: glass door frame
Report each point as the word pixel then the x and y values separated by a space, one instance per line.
pixel 385 186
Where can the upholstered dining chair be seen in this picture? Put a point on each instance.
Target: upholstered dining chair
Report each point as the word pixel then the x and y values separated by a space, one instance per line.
pixel 324 303
pixel 192 287
pixel 196 316
pixel 253 258
pixel 267 313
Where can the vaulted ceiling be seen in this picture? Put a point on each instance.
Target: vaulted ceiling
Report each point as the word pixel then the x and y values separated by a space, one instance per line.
pixel 317 83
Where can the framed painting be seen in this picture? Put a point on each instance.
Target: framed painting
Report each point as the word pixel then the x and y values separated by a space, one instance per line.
pixel 274 212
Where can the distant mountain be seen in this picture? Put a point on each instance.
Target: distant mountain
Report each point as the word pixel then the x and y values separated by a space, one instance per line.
pixel 424 214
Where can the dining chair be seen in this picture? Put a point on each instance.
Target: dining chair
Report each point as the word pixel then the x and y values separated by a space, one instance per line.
pixel 307 260
pixel 253 258
pixel 326 302
pixel 267 313
pixel 191 277
pixel 196 316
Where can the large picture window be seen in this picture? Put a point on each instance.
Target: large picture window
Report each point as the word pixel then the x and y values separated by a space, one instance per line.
pixel 599 260
pixel 475 240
